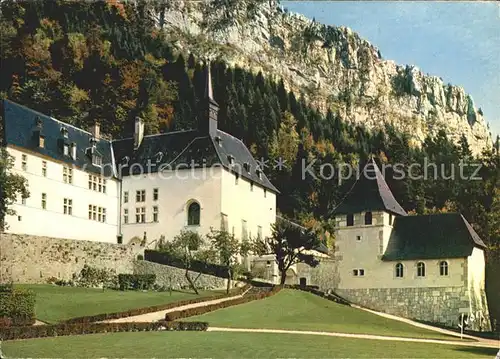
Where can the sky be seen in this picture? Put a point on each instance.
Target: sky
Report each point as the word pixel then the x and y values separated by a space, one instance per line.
pixel 457 41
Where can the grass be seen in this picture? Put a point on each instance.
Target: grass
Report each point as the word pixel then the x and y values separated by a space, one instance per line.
pixel 297 310
pixel 55 304
pixel 230 345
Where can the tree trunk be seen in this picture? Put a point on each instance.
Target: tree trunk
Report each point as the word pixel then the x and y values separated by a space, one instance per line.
pixel 191 282
pixel 283 278
pixel 229 275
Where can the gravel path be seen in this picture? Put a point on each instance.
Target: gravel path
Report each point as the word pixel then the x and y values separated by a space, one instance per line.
pixel 156 316
pixel 356 336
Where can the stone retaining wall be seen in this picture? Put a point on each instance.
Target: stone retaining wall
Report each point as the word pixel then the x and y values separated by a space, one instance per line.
pixel 33 259
pixel 167 275
pixel 438 305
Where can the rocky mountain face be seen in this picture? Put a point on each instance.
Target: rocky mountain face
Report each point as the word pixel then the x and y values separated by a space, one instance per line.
pixel 332 67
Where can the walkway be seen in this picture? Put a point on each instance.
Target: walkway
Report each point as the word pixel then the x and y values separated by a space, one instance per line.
pixel 156 316
pixel 355 336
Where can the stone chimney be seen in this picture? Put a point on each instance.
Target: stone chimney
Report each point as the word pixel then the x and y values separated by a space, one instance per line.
pixel 96 130
pixel 138 132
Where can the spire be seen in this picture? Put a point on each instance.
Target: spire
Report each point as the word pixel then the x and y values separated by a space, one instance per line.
pixel 209 108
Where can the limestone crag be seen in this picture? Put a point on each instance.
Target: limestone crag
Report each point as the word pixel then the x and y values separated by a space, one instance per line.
pixel 331 66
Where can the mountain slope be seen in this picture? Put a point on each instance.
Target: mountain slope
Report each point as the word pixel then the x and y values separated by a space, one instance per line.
pixel 332 67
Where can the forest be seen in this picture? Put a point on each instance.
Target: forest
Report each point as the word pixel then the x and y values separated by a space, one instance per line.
pixel 86 61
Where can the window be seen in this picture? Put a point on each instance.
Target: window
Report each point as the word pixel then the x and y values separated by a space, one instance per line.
pixel 399 270
pixel 358 272
pixel 368 218
pixel 64 132
pixel 358 238
pixel 155 213
pixel 41 142
pixel 236 178
pixel 44 200
pixel 140 215
pixel 390 219
pixel 251 186
pixel 44 168
pixel 23 200
pixel 140 196
pixel 24 162
pixel 68 206
pixel 421 269
pixel 244 231
pixel 223 222
pixel 155 194
pixel 97 160
pixel 125 197
pixel 443 268
pixel 194 214
pixel 361 272
pixel 125 216
pixel 265 193
pixel 66 150
pixel 355 272
pixel 350 220
pixel 97 213
pixel 97 184
pixel 67 175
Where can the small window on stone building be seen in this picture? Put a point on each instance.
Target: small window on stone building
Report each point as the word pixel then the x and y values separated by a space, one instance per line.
pixel 350 220
pixel 368 218
pixel 420 269
pixel 155 194
pixel 155 213
pixel 355 272
pixel 399 270
pixel 44 201
pixel 361 272
pixel 24 162
pixel 358 238
pixel 194 214
pixel 443 268
pixel 125 216
pixel 44 168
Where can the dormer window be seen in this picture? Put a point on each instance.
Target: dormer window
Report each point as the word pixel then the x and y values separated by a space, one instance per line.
pixel 38 122
pixel 125 161
pixel 218 139
pixel 246 166
pixel 350 220
pixel 41 141
pixel 259 173
pixel 159 157
pixel 97 160
pixel 66 149
pixel 64 132
pixel 230 158
pixel 368 218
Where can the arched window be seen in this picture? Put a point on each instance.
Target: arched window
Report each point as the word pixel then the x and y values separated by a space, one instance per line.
pixel 399 270
pixel 350 220
pixel 421 269
pixel 443 268
pixel 368 218
pixel 194 214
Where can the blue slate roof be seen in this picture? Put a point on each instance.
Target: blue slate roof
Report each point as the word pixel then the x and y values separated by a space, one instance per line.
pixel 22 127
pixel 435 236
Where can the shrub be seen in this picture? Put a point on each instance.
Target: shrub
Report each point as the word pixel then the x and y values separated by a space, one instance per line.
pixel 136 281
pixel 17 307
pixel 211 307
pixel 6 288
pixel 40 331
pixel 151 309
pixel 92 277
pixel 140 257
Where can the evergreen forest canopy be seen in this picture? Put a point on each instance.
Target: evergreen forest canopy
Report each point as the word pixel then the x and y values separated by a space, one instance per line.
pixel 82 61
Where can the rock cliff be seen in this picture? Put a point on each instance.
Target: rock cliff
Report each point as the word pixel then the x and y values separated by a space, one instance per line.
pixel 332 67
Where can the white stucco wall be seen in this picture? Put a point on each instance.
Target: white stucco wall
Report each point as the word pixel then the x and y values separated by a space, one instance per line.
pixel 476 268
pixel 31 219
pixel 366 254
pixel 214 189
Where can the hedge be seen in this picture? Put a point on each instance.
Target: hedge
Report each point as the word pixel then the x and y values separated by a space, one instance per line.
pixel 154 308
pixel 196 265
pixel 136 281
pixel 17 307
pixel 210 308
pixel 56 330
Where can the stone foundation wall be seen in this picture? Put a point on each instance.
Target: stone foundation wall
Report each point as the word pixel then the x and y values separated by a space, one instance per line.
pixel 325 275
pixel 167 275
pixel 32 259
pixel 441 305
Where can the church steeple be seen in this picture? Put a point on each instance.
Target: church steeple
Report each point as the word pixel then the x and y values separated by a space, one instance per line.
pixel 210 108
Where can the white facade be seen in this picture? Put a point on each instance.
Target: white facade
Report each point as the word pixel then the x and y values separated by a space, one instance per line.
pixel 221 200
pixel 49 187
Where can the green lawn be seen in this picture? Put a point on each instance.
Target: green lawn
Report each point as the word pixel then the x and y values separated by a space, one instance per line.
pixel 297 310
pixel 230 345
pixel 54 303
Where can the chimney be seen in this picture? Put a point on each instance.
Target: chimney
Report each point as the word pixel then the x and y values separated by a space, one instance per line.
pixel 210 108
pixel 96 130
pixel 138 133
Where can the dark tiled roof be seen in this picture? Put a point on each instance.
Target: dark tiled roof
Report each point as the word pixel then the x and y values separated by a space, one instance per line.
pixel 20 129
pixel 370 192
pixel 178 149
pixel 446 235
